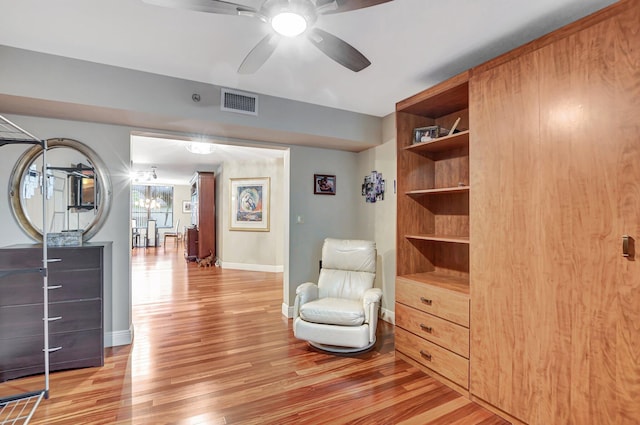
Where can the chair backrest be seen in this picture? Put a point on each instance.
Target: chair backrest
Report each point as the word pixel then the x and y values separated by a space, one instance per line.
pixel 151 232
pixel 178 226
pixel 348 268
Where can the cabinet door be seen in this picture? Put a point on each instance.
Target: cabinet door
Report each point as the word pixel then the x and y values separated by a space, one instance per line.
pixel 507 235
pixel 554 303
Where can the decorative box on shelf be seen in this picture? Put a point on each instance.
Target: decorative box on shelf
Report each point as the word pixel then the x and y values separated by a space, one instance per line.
pixel 70 238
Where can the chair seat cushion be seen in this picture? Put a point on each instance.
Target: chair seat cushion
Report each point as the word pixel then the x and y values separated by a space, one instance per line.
pixel 333 311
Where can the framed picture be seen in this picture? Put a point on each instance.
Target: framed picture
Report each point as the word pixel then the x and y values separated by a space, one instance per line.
pixel 426 134
pixel 186 206
pixel 250 204
pixel 324 184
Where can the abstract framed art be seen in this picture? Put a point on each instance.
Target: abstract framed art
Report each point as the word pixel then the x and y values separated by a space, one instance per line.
pixel 250 204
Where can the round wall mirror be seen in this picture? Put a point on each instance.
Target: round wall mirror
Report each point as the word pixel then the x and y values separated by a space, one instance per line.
pixel 74 181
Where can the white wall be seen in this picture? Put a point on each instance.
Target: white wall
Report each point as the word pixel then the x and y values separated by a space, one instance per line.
pixel 252 250
pixel 378 220
pixel 111 143
pixel 322 216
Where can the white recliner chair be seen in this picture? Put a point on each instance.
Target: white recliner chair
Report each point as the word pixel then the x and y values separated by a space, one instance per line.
pixel 340 313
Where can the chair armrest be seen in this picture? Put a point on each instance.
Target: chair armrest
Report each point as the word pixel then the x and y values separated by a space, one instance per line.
pixel 305 292
pixel 370 303
pixel 372 295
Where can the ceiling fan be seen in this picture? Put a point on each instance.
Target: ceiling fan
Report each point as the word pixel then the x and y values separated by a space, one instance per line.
pixel 288 18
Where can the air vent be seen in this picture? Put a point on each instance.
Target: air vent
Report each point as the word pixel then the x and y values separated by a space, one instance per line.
pixel 240 102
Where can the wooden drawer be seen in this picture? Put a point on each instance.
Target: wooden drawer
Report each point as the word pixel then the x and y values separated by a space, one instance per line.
pixel 442 361
pixel 26 353
pixel 443 303
pixel 75 285
pixel 439 331
pixel 26 320
pixel 26 288
pixel 75 258
pixel 22 288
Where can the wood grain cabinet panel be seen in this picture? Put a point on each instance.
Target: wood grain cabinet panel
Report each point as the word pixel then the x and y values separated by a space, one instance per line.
pixel 75 309
pixel 444 362
pixel 446 334
pixel 433 300
pixel 203 194
pixel 555 185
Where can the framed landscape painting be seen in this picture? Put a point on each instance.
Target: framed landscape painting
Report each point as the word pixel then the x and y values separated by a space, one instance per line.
pixel 250 204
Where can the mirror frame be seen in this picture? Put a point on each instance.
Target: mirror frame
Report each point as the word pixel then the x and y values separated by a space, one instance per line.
pixel 21 167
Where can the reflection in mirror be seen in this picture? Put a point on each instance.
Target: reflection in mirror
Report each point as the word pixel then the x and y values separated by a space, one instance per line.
pixel 76 185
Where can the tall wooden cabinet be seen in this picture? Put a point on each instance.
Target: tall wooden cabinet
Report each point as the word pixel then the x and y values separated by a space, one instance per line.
pixel 524 222
pixel 555 172
pixel 432 285
pixel 203 209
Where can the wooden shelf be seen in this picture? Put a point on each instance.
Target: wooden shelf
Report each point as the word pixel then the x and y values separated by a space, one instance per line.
pixel 452 283
pixel 440 238
pixel 441 144
pixel 439 191
pixel 449 96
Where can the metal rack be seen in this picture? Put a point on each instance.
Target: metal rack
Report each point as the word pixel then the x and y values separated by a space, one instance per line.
pixel 19 408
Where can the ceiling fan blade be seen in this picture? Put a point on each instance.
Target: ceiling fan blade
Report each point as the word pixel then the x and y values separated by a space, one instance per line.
pixel 338 50
pixel 259 54
pixel 327 7
pixel 210 6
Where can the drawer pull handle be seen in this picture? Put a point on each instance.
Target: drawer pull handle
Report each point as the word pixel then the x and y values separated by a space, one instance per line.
pixel 54 260
pixel 627 246
pixel 51 350
pixel 54 287
pixel 425 355
pixel 426 301
pixel 53 319
pixel 426 328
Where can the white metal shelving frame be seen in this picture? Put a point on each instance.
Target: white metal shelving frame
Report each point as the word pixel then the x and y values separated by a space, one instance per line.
pixel 19 408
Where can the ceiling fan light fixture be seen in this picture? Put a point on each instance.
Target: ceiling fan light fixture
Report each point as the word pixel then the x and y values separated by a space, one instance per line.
pixel 289 24
pixel 200 148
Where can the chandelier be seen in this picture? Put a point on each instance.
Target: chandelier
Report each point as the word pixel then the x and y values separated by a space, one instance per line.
pixel 200 148
pixel 144 175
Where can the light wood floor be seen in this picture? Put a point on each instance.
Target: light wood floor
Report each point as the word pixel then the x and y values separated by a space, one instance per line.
pixel 211 347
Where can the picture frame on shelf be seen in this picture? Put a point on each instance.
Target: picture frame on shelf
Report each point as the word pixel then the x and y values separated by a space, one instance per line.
pixel 250 204
pixel 426 134
pixel 324 184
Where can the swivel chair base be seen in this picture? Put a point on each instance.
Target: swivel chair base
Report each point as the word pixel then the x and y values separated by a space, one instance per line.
pixel 341 350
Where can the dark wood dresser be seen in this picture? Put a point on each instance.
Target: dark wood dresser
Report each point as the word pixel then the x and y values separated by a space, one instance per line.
pixel 75 309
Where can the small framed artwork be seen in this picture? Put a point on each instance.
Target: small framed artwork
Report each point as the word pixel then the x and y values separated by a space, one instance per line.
pixel 426 134
pixel 186 206
pixel 324 184
pixel 250 204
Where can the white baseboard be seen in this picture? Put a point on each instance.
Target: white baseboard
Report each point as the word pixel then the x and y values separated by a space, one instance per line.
pixel 252 267
pixel 287 311
pixel 116 338
pixel 388 315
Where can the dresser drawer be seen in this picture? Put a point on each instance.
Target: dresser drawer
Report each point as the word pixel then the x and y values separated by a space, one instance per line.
pixel 75 285
pixel 75 258
pixel 439 331
pixel 26 320
pixel 440 302
pixel 26 352
pixel 440 360
pixel 23 288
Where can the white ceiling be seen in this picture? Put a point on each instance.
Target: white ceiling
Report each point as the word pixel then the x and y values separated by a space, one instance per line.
pixel 412 44
pixel 176 165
